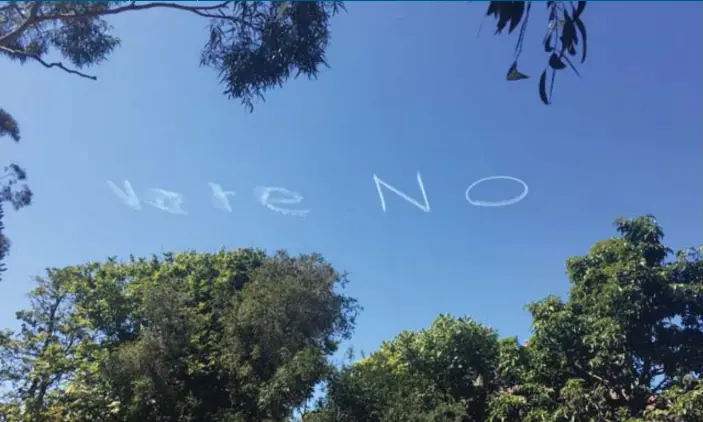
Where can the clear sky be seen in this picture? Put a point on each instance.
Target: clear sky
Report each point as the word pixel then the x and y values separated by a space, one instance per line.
pixel 411 89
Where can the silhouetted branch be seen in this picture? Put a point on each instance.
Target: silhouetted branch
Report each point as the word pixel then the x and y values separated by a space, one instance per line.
pixel 134 6
pixel 36 57
pixel 12 36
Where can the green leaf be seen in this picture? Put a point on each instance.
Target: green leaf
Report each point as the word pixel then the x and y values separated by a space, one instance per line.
pixel 571 65
pixel 569 37
pixel 543 88
pixel 555 62
pixel 548 44
pixel 580 7
pixel 516 13
pixel 514 74
pixel 582 29
pixel 493 8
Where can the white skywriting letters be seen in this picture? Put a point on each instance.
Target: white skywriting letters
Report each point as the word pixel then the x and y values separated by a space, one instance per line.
pixel 127 196
pixel 165 200
pixel 263 193
pixel 272 197
pixel 279 199
pixel 379 182
pixel 497 203
pixel 219 197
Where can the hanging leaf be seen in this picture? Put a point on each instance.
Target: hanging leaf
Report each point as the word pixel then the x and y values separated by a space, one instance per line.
pixel 213 35
pixel 493 8
pixel 579 9
pixel 517 9
pixel 571 65
pixel 582 29
pixel 502 12
pixel 548 43
pixel 555 62
pixel 552 11
pixel 543 88
pixel 514 74
pixel 569 37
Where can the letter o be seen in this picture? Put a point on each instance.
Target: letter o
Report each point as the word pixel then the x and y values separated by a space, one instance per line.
pixel 497 203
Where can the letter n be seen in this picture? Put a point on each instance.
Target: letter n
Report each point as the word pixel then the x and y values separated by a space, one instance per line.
pixel 379 182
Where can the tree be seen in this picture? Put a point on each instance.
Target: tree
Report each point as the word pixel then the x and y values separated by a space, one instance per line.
pixel 443 373
pixel 4 241
pixel 254 46
pixel 229 336
pixel 241 336
pixel 627 345
pixel 12 188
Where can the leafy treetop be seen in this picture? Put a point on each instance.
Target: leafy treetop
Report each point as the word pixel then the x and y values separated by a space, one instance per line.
pixel 627 345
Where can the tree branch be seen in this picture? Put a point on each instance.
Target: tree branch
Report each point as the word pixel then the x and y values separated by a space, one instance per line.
pixel 15 7
pixel 36 57
pixel 133 6
pixel 34 17
pixel 12 36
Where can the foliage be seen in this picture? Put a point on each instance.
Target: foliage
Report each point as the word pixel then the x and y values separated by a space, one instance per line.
pixel 443 373
pixel 239 336
pixel 565 29
pixel 627 345
pixel 229 336
pixel 4 241
pixel 254 46
pixel 12 188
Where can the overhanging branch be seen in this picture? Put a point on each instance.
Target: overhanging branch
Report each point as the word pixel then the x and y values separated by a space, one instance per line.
pixel 134 6
pixel 35 17
pixel 31 19
pixel 36 57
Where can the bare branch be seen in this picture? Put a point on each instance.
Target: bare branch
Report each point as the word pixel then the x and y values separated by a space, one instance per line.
pixel 36 57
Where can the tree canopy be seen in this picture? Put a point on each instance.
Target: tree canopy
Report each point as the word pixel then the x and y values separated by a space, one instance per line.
pixel 254 46
pixel 626 345
pixel 242 336
pixel 227 336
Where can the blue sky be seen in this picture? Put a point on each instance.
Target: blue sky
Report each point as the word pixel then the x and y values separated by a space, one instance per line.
pixel 411 89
